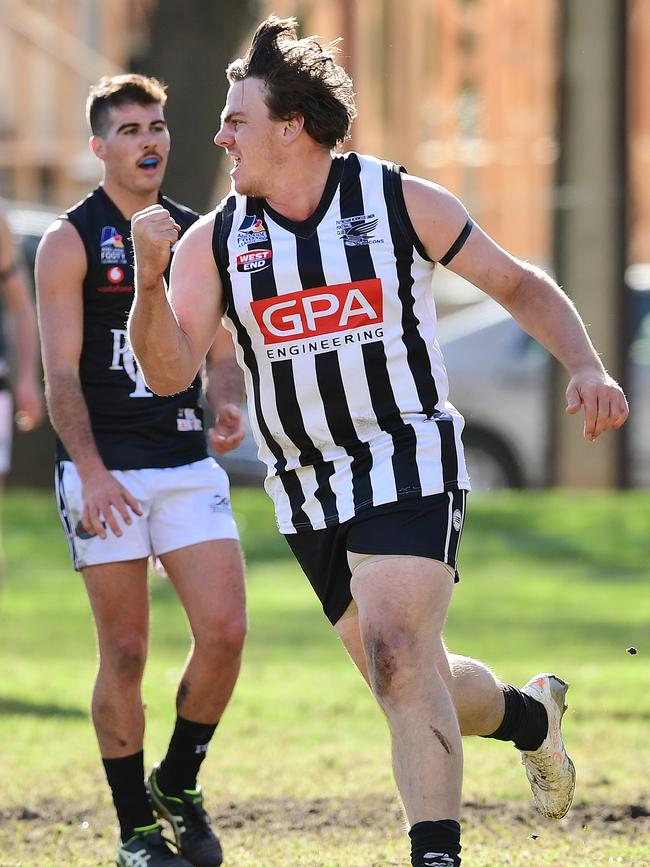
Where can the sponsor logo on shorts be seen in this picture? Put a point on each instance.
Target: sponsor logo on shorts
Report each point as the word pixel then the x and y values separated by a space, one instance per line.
pixel 81 532
pixel 457 519
pixel 313 313
pixel 220 504
pixel 358 231
pixel 111 247
pixel 254 260
pixel 251 231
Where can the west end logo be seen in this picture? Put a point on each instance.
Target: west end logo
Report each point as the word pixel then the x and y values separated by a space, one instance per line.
pixel 317 312
pixel 251 231
pixel 357 231
pixel 111 247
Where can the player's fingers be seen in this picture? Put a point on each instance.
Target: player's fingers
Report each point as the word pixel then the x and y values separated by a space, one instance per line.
pixel 132 503
pixel 111 520
pixel 94 523
pixel 590 405
pixel 620 410
pixel 573 400
pixel 603 419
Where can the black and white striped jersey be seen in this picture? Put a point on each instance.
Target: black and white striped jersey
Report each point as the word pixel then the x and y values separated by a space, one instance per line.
pixel 335 326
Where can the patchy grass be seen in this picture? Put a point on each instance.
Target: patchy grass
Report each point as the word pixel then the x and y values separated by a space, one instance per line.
pixel 298 773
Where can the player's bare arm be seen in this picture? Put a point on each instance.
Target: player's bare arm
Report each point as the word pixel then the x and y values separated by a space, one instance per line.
pixel 60 269
pixel 224 391
pixel 171 332
pixel 22 328
pixel 530 296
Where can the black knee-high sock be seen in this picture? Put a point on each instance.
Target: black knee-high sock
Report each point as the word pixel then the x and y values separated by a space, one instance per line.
pixel 525 721
pixel 126 778
pixel 187 749
pixel 435 844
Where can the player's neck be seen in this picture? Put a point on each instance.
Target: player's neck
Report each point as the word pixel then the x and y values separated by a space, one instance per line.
pixel 128 202
pixel 299 193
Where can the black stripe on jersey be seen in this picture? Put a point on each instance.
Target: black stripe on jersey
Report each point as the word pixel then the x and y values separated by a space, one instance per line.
pixel 330 385
pixel 286 398
pixel 416 350
pixel 289 479
pixel 361 267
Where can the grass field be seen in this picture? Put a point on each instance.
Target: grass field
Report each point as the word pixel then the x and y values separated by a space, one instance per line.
pixel 298 773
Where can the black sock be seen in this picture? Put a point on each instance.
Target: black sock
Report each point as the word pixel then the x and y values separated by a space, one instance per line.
pixel 126 778
pixel 435 844
pixel 525 721
pixel 187 749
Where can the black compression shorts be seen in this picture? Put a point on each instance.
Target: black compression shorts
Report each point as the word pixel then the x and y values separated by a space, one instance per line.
pixel 419 526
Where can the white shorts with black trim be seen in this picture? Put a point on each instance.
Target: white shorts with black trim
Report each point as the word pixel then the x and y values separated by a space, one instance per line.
pixel 6 430
pixel 181 506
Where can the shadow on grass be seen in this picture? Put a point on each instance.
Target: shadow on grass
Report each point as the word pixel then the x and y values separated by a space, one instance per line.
pixel 20 707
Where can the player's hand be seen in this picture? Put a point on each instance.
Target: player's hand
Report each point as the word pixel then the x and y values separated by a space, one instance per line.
pixel 29 404
pixel 103 496
pixel 153 232
pixel 601 397
pixel 229 429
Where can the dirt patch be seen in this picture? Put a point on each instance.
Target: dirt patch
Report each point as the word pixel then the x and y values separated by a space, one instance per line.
pixel 52 833
pixel 279 815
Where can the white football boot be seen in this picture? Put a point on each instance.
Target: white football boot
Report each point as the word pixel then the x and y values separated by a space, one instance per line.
pixel 550 772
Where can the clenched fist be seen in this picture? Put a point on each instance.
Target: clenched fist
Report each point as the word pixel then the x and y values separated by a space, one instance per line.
pixel 154 232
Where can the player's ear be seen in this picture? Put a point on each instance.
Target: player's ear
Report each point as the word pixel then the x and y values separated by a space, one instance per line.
pixel 293 126
pixel 97 146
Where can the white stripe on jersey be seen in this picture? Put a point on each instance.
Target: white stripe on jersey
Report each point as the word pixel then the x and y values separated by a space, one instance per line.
pixel 336 322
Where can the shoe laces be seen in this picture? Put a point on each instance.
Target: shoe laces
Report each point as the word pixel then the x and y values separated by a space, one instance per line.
pixel 196 811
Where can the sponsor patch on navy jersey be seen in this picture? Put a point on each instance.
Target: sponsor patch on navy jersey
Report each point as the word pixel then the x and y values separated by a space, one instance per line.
pixel 111 247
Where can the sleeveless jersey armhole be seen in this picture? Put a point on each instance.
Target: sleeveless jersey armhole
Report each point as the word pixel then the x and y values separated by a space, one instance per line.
pixel 401 212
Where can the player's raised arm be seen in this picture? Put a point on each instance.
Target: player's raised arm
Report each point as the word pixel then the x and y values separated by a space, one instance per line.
pixel 537 303
pixel 171 332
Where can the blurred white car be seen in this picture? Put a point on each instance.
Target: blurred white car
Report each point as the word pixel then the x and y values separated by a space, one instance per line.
pixel 500 380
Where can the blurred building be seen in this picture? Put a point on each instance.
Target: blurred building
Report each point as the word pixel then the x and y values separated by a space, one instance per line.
pixel 460 91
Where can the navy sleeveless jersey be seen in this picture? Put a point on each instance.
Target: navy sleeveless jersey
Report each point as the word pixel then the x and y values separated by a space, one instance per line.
pixel 133 428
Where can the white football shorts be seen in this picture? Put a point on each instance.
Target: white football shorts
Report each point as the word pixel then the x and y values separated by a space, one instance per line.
pixel 6 430
pixel 181 506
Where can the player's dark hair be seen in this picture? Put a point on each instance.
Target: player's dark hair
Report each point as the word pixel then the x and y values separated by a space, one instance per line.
pixel 111 92
pixel 301 78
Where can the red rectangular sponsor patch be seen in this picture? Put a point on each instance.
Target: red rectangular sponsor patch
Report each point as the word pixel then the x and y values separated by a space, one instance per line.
pixel 254 260
pixel 314 312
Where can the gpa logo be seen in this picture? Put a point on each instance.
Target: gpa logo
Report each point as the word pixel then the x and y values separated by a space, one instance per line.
pixel 254 260
pixel 314 312
pixel 111 247
pixel 357 231
pixel 251 231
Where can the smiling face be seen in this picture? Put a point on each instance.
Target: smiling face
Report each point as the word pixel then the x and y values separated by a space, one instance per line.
pixel 254 140
pixel 134 148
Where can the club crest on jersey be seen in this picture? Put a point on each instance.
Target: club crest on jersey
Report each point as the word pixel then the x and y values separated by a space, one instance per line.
pixel 251 231
pixel 357 231
pixel 254 260
pixel 111 247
